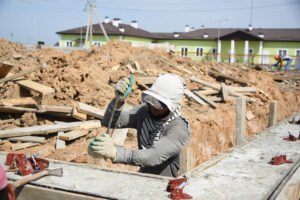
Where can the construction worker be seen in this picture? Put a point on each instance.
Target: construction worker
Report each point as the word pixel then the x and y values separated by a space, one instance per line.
pixel 161 129
pixel 6 190
pixel 280 59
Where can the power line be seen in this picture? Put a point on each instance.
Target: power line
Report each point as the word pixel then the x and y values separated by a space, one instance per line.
pixel 200 10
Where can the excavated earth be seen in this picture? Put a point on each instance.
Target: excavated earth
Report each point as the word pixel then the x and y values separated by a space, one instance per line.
pixel 88 77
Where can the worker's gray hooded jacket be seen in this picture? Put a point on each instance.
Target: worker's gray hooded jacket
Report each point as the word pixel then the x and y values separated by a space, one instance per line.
pixel 161 156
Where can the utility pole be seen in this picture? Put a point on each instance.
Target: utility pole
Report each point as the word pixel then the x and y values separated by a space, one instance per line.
pixel 89 29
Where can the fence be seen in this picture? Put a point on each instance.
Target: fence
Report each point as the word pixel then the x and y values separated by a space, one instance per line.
pixel 238 58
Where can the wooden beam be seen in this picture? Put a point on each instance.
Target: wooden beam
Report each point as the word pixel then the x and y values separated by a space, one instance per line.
pixel 242 89
pixel 5 68
pixel 191 95
pixel 90 110
pixel 19 146
pixel 32 139
pixel 286 77
pixel 237 80
pixel 29 191
pixel 180 68
pixel 224 92
pixel 21 74
pixel 73 135
pixel 78 115
pixel 186 160
pixel 207 100
pixel 57 109
pixel 7 121
pixel 60 144
pixel 218 87
pixel 208 92
pixel 19 102
pixel 142 85
pixel 34 86
pixel 10 109
pixel 130 68
pixel 46 129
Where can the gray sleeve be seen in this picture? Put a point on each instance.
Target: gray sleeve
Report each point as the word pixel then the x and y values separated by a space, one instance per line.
pixel 121 119
pixel 170 144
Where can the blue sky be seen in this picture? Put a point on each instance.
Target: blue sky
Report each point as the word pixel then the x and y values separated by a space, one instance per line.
pixel 26 21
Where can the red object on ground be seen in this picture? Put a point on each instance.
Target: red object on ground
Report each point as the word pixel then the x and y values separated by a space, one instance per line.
pixel 25 165
pixel 278 160
pixel 290 138
pixel 176 188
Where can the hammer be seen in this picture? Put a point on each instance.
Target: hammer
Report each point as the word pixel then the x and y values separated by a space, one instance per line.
pixel 54 172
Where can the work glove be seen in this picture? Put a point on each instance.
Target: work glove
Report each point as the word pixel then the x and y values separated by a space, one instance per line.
pixel 124 87
pixel 104 146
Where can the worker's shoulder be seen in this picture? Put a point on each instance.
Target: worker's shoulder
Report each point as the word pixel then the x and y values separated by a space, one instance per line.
pixel 179 122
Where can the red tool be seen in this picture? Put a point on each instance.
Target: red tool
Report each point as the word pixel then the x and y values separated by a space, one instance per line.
pixel 278 160
pixel 25 164
pixel 291 138
pixel 176 188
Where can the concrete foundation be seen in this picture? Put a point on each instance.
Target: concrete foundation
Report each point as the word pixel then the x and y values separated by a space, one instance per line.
pixel 244 173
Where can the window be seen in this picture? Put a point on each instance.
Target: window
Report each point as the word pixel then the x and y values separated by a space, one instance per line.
pixel 297 52
pixel 214 52
pixel 98 44
pixel 199 51
pixel 282 52
pixel 250 51
pixel 69 44
pixel 184 51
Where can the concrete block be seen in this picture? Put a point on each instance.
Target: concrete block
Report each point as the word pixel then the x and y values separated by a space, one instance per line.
pixel 240 120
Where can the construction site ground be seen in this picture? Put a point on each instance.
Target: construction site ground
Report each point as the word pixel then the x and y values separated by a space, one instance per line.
pixel 89 77
pixel 244 172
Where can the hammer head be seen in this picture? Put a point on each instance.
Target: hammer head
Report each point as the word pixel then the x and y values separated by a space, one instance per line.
pixel 55 172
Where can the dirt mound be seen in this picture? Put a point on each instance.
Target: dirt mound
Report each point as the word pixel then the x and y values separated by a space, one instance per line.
pixel 89 77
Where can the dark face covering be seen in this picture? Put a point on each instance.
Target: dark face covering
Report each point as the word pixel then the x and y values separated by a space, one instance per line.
pixel 158 117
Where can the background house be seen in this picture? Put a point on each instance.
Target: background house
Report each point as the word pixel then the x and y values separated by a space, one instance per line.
pixel 248 46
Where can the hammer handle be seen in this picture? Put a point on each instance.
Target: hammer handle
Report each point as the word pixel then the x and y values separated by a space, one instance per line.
pixel 30 178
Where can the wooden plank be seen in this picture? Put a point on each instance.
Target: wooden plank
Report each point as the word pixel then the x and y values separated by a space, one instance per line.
pixel 218 87
pixel 137 65
pixel 116 67
pixel 286 77
pixel 208 92
pixel 60 144
pixel 7 121
pixel 142 85
pixel 30 191
pixel 185 160
pixel 191 95
pixel 10 109
pixel 237 80
pixel 90 110
pixel 78 115
pixel 130 68
pixel 37 87
pixel 73 135
pixel 5 68
pixel 242 89
pixel 21 73
pixel 19 102
pixel 31 139
pixel 224 92
pixel 46 129
pixel 207 100
pixel 57 109
pixel 180 68
pixel 19 146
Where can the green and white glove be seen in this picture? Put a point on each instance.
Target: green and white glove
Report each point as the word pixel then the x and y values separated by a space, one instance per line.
pixel 124 87
pixel 104 146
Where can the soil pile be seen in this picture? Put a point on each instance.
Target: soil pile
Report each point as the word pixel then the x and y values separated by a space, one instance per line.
pixel 89 77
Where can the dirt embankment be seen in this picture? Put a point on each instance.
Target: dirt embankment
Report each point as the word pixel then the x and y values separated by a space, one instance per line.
pixel 88 77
